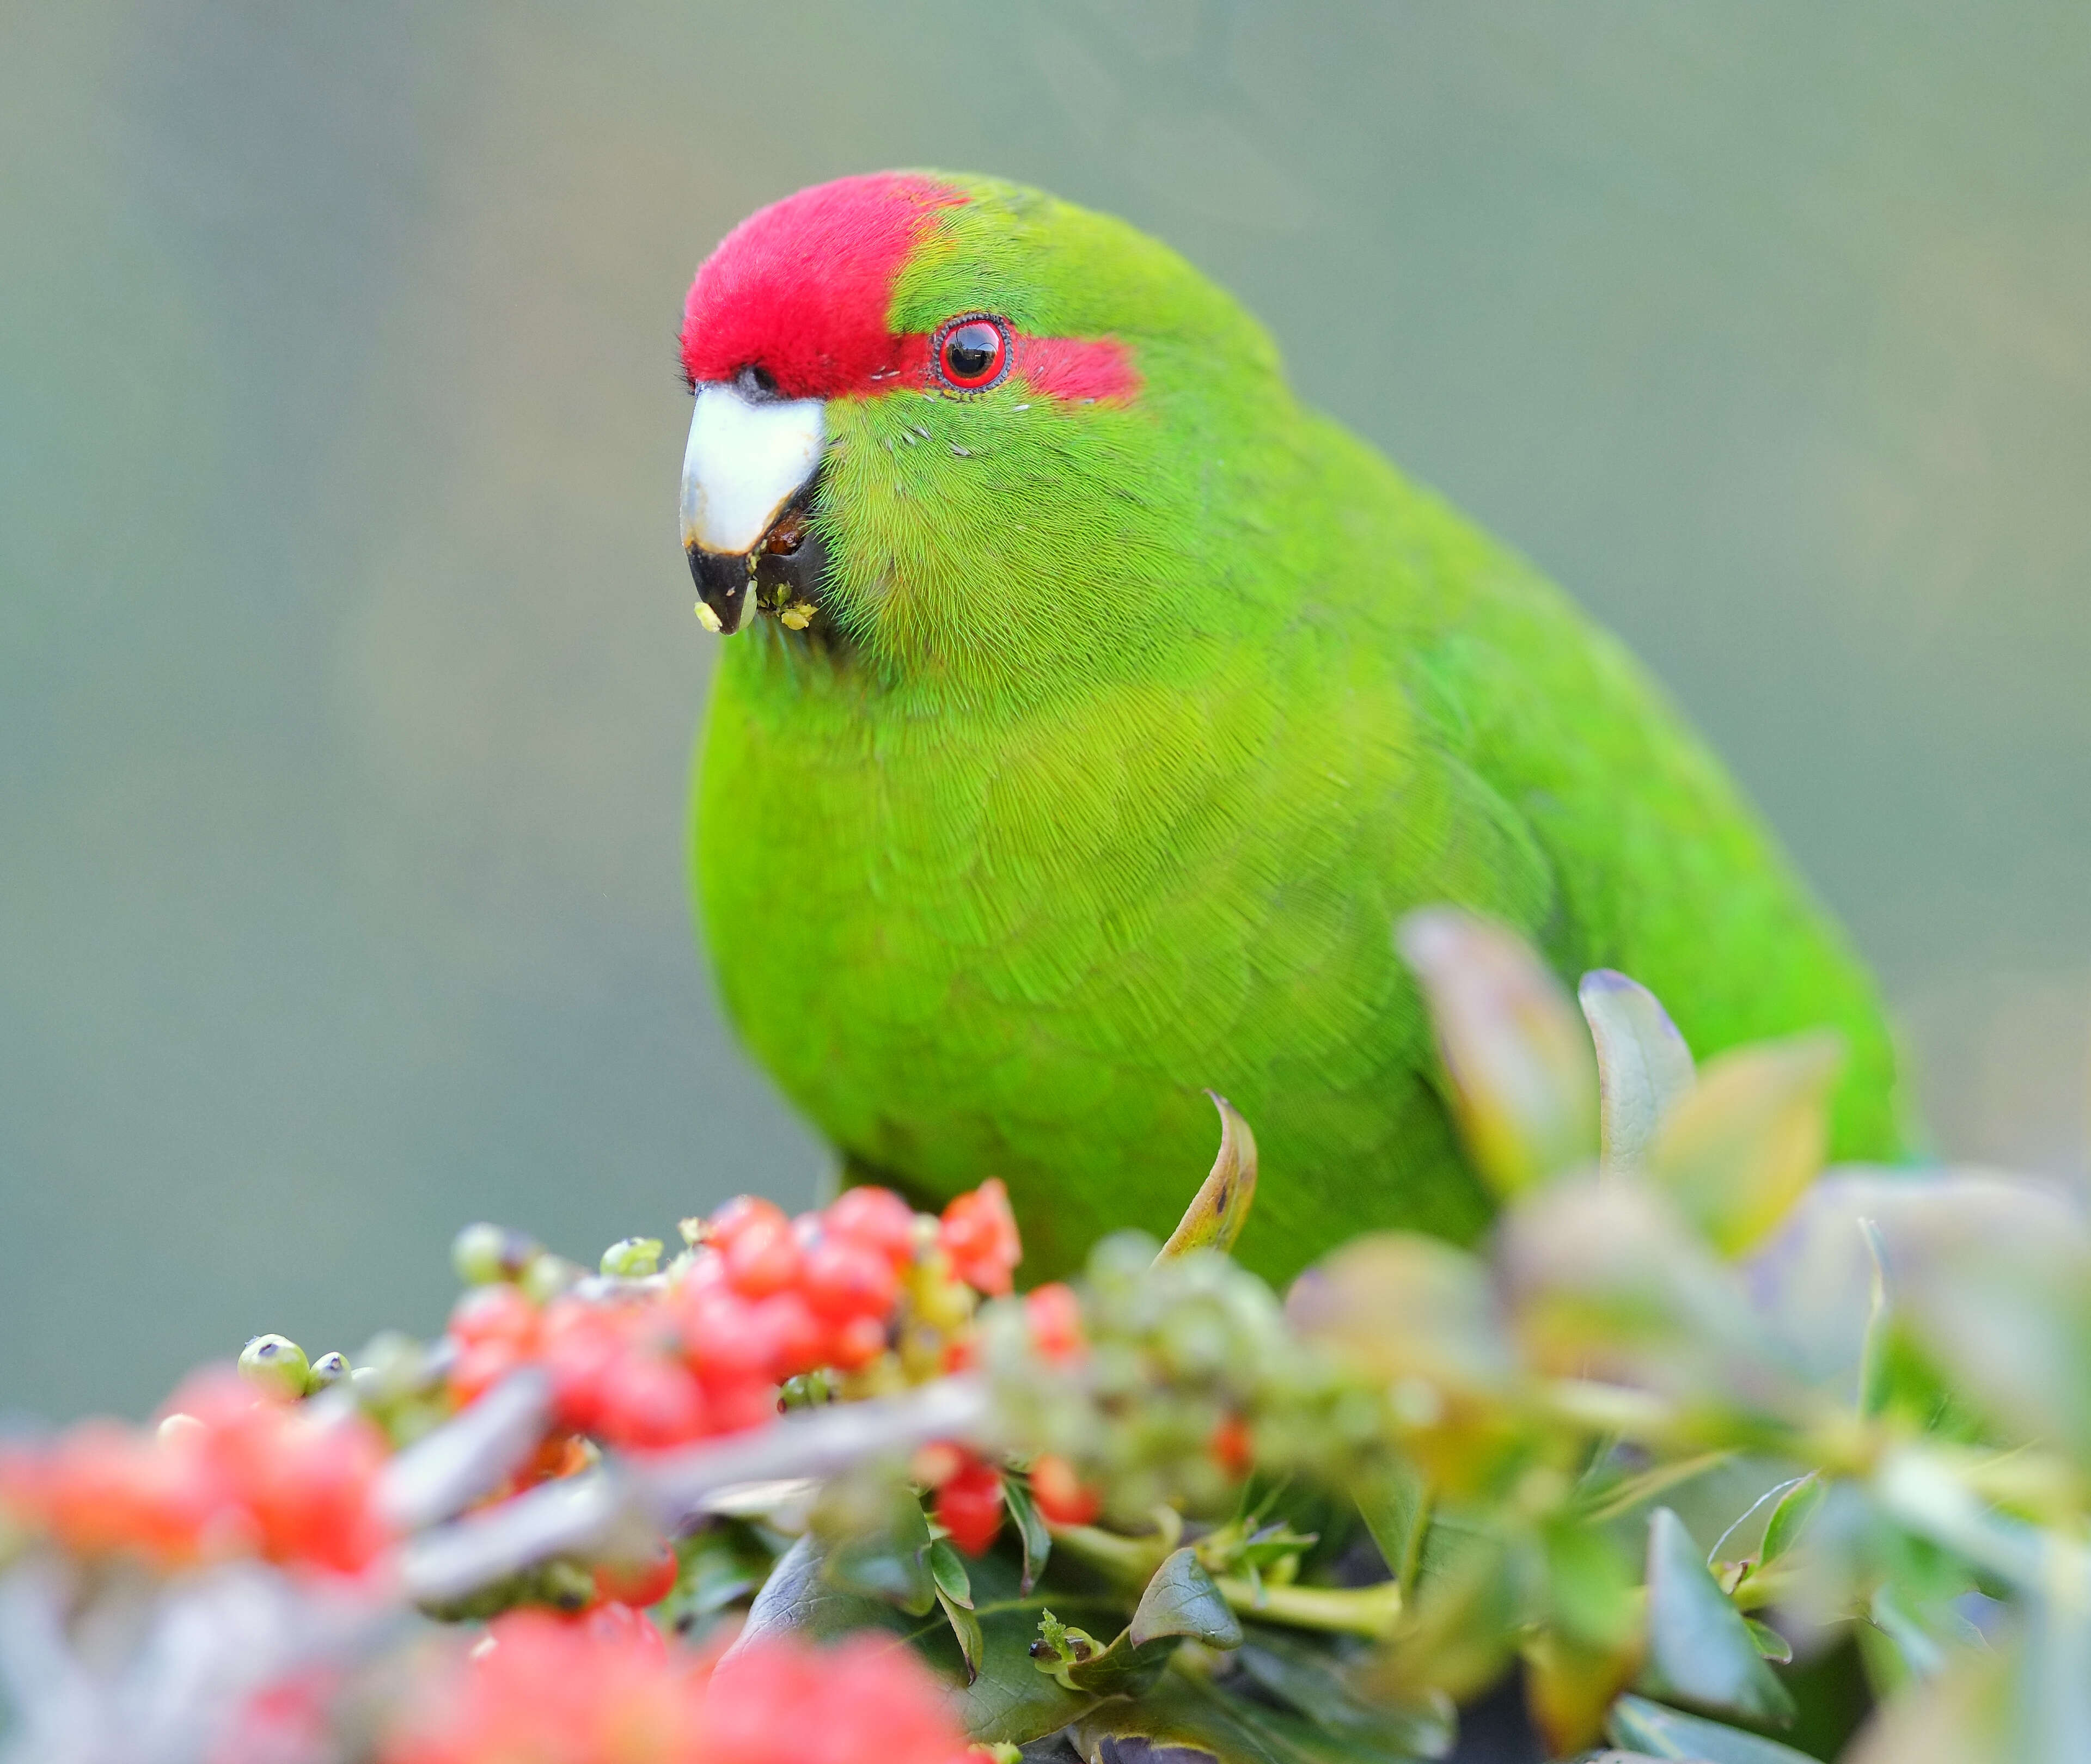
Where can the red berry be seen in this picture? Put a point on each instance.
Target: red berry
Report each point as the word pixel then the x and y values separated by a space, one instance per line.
pixel 646 1581
pixel 742 1213
pixel 494 1313
pixel 718 1333
pixel 1060 1494
pixel 582 1342
pixel 762 1258
pixel 969 1507
pixel 480 1365
pixel 1056 1316
pixel 857 1343
pixel 792 1338
pixel 737 1407
pixel 844 1279
pixel 875 1217
pixel 642 1401
pixel 778 1703
pixel 1232 1447
pixel 979 1234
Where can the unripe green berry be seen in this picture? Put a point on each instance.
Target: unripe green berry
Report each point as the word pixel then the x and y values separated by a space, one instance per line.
pixel 482 1254
pixel 546 1277
pixel 807 1391
pixel 276 1363
pixel 631 1258
pixel 566 1585
pixel 329 1369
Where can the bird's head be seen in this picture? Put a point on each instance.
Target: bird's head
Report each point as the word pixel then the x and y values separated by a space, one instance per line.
pixel 961 428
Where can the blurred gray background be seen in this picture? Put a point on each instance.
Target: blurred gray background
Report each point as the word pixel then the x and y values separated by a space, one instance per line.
pixel 347 671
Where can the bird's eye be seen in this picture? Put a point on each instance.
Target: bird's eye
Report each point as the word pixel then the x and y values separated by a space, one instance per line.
pixel 973 353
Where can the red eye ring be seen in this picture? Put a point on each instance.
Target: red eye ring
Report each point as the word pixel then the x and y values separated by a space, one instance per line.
pixel 971 353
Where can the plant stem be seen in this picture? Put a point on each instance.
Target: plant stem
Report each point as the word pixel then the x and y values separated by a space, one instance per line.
pixel 1365 1611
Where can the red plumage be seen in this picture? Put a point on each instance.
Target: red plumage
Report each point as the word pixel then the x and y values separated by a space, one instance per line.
pixel 802 289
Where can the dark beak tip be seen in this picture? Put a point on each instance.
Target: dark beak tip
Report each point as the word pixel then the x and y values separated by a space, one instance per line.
pixel 722 584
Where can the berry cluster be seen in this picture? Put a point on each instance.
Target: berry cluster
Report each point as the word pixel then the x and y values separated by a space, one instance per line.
pixel 544 1691
pixel 865 1291
pixel 1161 1384
pixel 233 1469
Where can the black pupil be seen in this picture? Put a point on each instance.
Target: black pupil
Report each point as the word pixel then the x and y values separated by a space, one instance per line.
pixel 969 351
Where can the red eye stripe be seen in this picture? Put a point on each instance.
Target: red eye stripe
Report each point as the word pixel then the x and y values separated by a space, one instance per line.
pixel 801 291
pixel 1075 370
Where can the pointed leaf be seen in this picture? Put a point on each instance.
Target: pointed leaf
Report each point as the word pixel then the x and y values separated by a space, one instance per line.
pixel 1184 1720
pixel 1031 1530
pixel 947 1568
pixel 1221 1208
pixel 1522 1078
pixel 1655 1732
pixel 1699 1647
pixel 1643 1067
pixel 1126 1668
pixel 892 1564
pixel 1394 1503
pixel 1312 1680
pixel 1181 1600
pixel 1790 1518
pixel 1771 1645
pixel 966 1629
pixel 1737 1152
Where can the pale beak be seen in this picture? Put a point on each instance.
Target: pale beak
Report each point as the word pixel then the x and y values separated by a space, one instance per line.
pixel 748 467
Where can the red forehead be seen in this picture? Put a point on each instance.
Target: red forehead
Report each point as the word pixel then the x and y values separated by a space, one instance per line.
pixel 801 288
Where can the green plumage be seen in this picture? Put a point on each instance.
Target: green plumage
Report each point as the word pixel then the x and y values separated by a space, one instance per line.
pixel 1135 729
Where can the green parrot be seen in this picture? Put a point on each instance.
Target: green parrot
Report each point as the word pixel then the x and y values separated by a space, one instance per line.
pixel 1097 710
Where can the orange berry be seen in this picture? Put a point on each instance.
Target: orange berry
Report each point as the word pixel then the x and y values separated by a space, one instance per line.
pixel 1056 1316
pixel 875 1217
pixel 646 1581
pixel 1232 1447
pixel 978 1233
pixel 1060 1494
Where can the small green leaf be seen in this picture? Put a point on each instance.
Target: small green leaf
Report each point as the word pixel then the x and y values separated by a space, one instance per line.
pixel 966 1627
pixel 1643 1067
pixel 1790 1518
pixel 947 1568
pixel 1124 1668
pixel 1313 1681
pixel 1182 1600
pixel 892 1564
pixel 1771 1645
pixel 1737 1151
pixel 1655 1732
pixel 1394 1503
pixel 1699 1647
pixel 1521 1078
pixel 1031 1530
pixel 1221 1208
pixel 1186 1721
